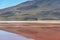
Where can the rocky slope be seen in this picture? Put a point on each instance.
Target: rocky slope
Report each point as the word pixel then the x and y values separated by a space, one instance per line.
pixel 32 10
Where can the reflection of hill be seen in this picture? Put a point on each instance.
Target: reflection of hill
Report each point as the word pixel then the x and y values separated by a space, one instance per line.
pixel 38 31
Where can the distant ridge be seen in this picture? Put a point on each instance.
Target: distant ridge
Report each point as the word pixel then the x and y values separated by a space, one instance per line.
pixel 32 11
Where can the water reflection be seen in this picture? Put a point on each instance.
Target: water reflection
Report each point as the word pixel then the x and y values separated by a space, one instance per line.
pixel 10 36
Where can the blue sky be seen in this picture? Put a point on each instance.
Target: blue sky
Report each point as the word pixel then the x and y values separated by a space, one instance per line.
pixel 8 3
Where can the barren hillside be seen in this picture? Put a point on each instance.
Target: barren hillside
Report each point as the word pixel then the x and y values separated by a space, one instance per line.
pixel 32 10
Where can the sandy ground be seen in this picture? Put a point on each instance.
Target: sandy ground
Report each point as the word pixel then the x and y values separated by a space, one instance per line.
pixel 37 31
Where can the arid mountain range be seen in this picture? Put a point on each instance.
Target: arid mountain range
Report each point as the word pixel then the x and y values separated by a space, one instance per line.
pixel 32 10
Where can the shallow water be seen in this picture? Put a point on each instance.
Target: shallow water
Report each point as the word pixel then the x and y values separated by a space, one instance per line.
pixel 11 36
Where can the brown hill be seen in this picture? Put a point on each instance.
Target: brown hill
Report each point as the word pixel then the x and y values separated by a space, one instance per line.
pixel 32 10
